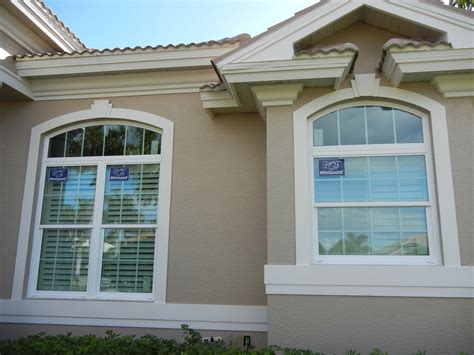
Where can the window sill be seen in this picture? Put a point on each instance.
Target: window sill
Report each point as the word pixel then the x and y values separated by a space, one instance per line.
pixel 370 280
pixel 82 296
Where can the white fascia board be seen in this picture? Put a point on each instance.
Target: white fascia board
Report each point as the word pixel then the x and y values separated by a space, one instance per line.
pixel 437 61
pixel 371 280
pixel 15 82
pixel 134 314
pixel 121 84
pixel 281 70
pixel 33 11
pixel 118 62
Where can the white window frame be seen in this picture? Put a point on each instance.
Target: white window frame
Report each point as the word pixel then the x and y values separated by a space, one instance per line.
pixel 96 226
pixel 364 150
pixel 368 87
pixel 100 111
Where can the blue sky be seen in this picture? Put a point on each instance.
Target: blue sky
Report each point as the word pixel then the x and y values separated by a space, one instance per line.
pixel 121 23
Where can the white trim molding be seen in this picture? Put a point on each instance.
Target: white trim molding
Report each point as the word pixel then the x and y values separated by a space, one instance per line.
pixel 441 157
pixel 15 82
pixel 101 109
pixel 370 280
pixel 408 65
pixel 454 85
pixel 134 314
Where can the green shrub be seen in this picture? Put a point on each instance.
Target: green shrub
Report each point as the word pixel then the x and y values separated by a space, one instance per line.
pixel 114 343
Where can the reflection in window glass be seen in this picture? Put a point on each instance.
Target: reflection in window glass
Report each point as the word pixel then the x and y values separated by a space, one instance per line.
pixel 74 142
pixel 134 142
pixel 71 201
pixel 325 130
pixel 56 146
pixel 133 200
pixel 127 262
pixel 105 140
pixel 114 140
pixel 64 260
pixel 152 142
pixel 94 141
pixel 372 231
pixel 380 125
pixel 367 125
pixel 409 127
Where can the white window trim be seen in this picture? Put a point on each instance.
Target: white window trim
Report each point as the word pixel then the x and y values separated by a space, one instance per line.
pixel 101 110
pixel 434 257
pixel 449 280
pixel 441 159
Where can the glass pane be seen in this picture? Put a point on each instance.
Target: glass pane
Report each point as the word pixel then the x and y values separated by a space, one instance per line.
pixel 383 177
pixel 325 130
pixel 412 178
pixel 132 200
pixel 386 243
pixel 64 260
pixel 373 231
pixel 329 219
pixel 352 126
pixel 70 201
pixel 134 144
pixel 356 243
pixel 330 243
pixel 74 142
pixel 114 140
pixel 56 146
pixel 380 125
pixel 93 141
pixel 408 127
pixel 127 263
pixel 152 142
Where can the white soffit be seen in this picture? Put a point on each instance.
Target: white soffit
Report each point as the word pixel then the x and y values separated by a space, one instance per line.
pixel 277 43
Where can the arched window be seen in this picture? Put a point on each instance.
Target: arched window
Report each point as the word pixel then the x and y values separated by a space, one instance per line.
pixel 372 189
pixel 97 219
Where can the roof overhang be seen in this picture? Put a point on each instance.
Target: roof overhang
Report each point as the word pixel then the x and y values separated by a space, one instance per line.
pixel 450 70
pixel 41 20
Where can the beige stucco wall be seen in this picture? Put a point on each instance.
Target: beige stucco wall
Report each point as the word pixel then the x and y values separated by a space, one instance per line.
pixel 334 324
pixel 218 221
pixel 14 331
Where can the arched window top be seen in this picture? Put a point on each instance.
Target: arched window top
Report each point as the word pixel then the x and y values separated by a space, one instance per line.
pixel 367 125
pixel 105 140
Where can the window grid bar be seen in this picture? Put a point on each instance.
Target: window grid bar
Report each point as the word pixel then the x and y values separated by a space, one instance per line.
pixel 374 204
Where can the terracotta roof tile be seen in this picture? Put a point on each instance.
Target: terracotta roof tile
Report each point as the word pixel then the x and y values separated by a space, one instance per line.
pixel 228 40
pixel 326 49
pixel 213 87
pixel 55 19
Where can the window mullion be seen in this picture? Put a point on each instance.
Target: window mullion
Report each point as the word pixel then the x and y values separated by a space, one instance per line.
pixel 95 256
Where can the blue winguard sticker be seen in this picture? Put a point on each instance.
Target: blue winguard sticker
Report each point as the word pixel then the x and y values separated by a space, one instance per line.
pixel 119 173
pixel 57 174
pixel 331 167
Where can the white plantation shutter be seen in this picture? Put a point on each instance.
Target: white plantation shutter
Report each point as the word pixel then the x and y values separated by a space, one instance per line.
pixel 128 252
pixel 64 260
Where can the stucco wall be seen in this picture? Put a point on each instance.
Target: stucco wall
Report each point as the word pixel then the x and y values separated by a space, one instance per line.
pixel 218 220
pixel 334 324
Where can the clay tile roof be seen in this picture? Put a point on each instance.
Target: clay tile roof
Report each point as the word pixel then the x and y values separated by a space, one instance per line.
pixel 402 43
pixel 159 48
pixel 55 19
pixel 213 87
pixel 326 49
pixel 415 44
